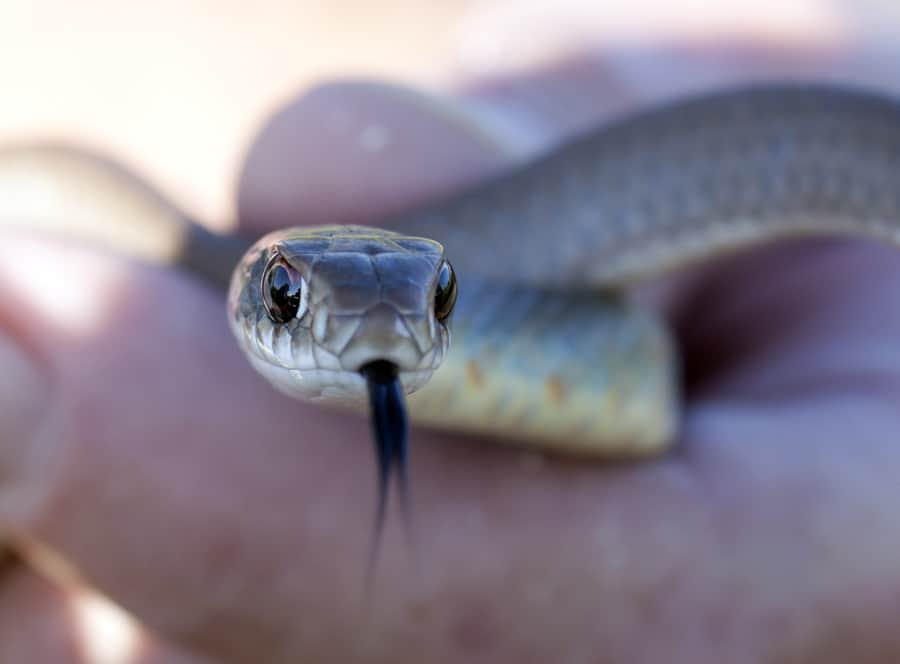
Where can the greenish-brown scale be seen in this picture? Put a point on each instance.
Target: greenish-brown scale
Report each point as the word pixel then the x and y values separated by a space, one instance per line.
pixel 555 369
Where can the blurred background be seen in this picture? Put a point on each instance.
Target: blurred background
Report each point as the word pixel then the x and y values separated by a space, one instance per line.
pixel 179 90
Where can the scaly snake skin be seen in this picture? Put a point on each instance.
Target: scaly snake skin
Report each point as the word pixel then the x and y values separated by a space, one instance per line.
pixel 545 349
pixel 367 295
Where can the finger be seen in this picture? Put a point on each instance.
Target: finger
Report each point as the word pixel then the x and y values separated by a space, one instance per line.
pixel 153 434
pixel 358 151
pixel 44 621
pixel 35 623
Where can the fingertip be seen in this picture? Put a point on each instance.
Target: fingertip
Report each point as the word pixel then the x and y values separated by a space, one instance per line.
pixel 35 621
pixel 357 151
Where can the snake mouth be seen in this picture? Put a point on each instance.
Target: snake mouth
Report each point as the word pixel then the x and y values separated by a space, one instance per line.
pixel 380 372
pixel 390 433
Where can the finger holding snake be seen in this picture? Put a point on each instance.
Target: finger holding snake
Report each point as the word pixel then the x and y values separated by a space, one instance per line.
pixel 548 534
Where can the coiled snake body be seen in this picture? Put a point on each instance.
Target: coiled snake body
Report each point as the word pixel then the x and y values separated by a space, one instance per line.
pixel 545 350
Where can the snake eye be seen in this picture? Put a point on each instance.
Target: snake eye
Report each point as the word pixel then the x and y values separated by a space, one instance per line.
pixel 445 293
pixel 283 291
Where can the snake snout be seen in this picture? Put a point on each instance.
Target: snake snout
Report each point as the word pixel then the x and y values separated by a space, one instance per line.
pixel 385 336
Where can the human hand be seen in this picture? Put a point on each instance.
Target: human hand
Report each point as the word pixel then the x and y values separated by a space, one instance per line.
pixel 233 523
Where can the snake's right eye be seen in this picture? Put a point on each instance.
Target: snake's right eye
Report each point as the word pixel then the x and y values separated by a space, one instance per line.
pixel 445 293
pixel 283 291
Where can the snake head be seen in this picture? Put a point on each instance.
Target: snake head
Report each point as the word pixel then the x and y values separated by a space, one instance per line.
pixel 313 307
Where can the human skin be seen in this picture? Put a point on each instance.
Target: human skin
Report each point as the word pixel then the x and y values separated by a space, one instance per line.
pixel 233 523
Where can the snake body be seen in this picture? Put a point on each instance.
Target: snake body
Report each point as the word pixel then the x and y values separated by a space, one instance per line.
pixel 546 350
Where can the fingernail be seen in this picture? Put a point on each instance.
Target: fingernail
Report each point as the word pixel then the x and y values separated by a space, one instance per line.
pixel 465 114
pixel 501 126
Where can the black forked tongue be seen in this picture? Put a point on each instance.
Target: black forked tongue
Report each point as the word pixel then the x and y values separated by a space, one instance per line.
pixel 390 431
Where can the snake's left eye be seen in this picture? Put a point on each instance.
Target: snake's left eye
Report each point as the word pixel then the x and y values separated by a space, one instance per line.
pixel 445 293
pixel 283 291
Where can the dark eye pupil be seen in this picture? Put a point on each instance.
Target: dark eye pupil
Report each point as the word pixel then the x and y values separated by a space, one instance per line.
pixel 445 293
pixel 281 292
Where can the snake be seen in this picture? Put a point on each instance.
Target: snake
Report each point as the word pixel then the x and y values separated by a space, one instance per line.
pixel 503 310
